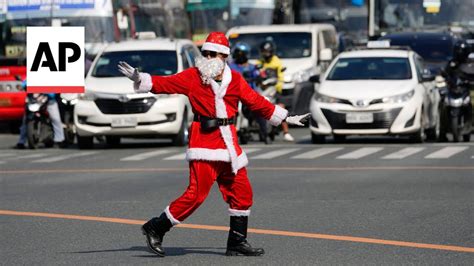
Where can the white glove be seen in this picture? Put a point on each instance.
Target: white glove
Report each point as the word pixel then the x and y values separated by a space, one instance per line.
pixel 129 72
pixel 297 120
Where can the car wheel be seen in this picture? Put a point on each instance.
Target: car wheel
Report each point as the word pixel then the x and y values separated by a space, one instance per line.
pixel 317 139
pixel 466 137
pixel 85 142
pixel 181 138
pixel 112 141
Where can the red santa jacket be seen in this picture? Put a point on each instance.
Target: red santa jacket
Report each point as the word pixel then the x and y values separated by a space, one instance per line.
pixel 214 100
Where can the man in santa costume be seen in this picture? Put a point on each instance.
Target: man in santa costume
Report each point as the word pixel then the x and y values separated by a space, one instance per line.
pixel 214 91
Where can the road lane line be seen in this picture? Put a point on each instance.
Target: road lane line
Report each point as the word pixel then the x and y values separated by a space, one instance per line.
pixel 274 154
pixel 251 230
pixel 403 153
pixel 65 157
pixel 359 153
pixel 316 153
pixel 446 152
pixel 29 156
pixel 145 155
pixel 179 156
pixel 250 150
pixel 7 154
pixel 274 168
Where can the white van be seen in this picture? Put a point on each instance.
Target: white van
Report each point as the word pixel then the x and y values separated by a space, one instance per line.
pixel 304 49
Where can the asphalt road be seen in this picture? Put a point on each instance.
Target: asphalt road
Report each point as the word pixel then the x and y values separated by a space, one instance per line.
pixel 368 201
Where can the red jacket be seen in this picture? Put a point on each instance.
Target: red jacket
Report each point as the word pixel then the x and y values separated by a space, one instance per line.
pixel 215 101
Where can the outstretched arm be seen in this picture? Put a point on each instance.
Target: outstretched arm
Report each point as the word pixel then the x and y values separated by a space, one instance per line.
pixel 144 82
pixel 273 113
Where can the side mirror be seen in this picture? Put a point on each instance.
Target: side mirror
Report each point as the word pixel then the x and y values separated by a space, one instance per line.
pixel 325 54
pixel 314 79
pixel 427 76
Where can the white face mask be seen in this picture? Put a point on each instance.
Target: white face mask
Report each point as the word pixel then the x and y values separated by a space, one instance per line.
pixel 209 68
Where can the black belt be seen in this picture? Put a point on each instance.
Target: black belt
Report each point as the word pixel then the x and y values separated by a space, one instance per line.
pixel 209 123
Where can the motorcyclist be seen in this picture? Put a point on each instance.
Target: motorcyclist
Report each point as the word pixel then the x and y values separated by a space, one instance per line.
pixel 269 60
pixel 251 73
pixel 452 72
pixel 55 117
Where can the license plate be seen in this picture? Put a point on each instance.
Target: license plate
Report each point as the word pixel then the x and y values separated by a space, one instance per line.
pixel 5 102
pixel 356 118
pixel 124 122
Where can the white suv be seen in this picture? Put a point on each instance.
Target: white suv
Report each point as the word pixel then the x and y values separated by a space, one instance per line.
pixel 109 107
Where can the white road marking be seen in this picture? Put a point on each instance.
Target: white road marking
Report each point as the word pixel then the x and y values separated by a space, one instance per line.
pixel 403 153
pixel 7 154
pixel 359 153
pixel 274 154
pixel 29 156
pixel 179 156
pixel 145 155
pixel 316 153
pixel 446 152
pixel 65 157
pixel 250 150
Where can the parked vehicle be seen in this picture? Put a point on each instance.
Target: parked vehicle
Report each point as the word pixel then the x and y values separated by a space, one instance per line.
pixel 109 107
pixel 379 91
pixel 38 124
pixel 304 50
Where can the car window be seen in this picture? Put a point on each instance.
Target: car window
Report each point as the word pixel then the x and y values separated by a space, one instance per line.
pixel 330 39
pixel 419 66
pixel 287 44
pixel 434 50
pixel 152 62
pixel 371 68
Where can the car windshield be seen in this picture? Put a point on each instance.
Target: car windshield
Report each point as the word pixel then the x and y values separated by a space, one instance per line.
pixel 371 68
pixel 287 44
pixel 152 62
pixel 434 49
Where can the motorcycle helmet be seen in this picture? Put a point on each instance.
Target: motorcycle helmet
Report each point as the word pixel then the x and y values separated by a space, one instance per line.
pixel 461 51
pixel 241 53
pixel 267 50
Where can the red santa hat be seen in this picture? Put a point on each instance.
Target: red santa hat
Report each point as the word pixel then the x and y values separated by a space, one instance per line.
pixel 216 42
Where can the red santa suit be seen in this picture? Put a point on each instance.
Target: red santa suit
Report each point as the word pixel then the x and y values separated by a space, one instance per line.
pixel 214 155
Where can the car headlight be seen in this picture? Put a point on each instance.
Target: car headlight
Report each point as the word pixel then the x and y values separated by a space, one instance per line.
pixel 303 75
pixel 399 98
pixel 325 99
pixel 87 96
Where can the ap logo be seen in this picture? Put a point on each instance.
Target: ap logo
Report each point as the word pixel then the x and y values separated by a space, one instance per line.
pixel 55 59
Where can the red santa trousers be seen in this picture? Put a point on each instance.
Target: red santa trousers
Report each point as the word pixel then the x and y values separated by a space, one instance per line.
pixel 235 189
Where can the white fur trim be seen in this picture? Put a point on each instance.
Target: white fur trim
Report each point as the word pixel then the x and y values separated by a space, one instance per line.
pixel 209 46
pixel 170 216
pixel 234 212
pixel 279 114
pixel 222 155
pixel 145 84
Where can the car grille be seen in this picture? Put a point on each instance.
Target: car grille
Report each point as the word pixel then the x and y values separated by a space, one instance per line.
pixel 133 106
pixel 382 120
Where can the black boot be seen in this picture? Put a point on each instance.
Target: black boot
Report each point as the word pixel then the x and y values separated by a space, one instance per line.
pixel 237 244
pixel 155 230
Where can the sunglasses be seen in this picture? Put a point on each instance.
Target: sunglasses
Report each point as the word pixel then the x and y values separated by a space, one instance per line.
pixel 212 54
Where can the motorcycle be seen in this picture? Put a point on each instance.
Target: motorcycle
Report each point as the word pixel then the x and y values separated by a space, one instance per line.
pixel 66 106
pixel 247 122
pixel 38 124
pixel 458 109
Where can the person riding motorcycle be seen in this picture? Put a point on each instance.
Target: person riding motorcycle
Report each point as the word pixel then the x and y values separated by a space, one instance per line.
pixel 452 72
pixel 55 117
pixel 251 74
pixel 269 60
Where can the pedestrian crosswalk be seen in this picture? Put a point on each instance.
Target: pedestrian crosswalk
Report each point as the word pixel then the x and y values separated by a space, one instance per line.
pixel 262 153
